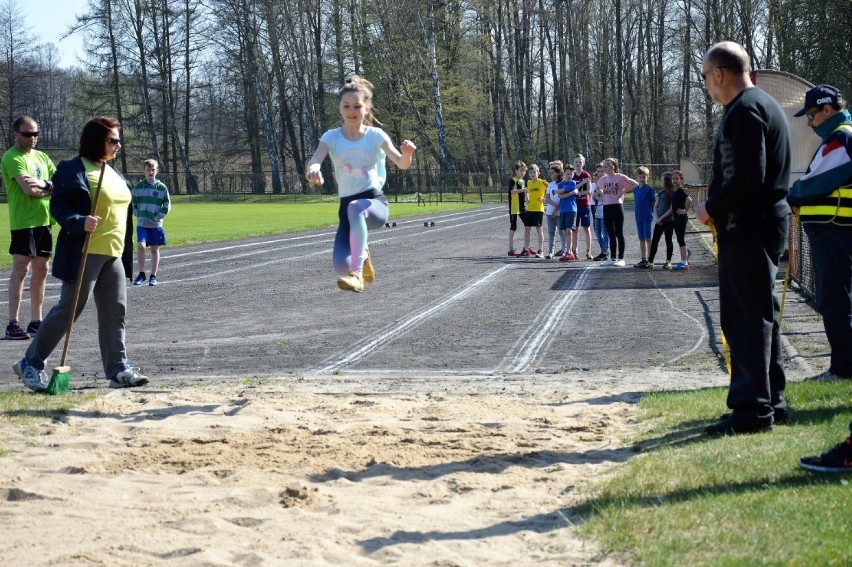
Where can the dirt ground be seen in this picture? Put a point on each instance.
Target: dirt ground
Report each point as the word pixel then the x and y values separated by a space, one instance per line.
pixel 454 413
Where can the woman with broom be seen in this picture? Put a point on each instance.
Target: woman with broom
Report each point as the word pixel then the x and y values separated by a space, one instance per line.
pixel 95 240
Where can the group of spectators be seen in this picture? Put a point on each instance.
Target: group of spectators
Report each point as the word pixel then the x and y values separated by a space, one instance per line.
pixel 576 201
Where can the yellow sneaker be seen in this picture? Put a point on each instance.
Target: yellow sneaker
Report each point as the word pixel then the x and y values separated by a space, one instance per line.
pixel 367 271
pixel 351 282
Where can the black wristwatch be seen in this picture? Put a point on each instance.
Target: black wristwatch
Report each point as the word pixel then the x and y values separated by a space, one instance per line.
pixel 48 185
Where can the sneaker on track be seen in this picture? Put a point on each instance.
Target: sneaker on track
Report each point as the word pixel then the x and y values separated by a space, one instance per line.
pixel 139 280
pixel 538 254
pixel 619 263
pixel 152 280
pixel 512 253
pixel 353 281
pixel 667 266
pixel 601 257
pixel 14 332
pixel 837 460
pixel 681 266
pixel 609 262
pixel 130 377
pixel 641 264
pixel 33 378
pixel 32 328
pixel 368 272
pixel 588 254
pixel 524 253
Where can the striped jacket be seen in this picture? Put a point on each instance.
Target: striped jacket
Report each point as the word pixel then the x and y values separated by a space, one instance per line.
pixel 824 192
pixel 150 203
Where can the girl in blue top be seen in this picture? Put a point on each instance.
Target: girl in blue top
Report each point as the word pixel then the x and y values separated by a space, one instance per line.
pixel 358 151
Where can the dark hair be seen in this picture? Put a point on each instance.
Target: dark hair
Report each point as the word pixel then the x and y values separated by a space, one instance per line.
pixel 667 181
pixel 360 85
pixel 94 135
pixel 21 120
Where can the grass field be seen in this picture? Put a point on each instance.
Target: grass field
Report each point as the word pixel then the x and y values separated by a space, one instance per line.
pixel 195 221
pixel 739 500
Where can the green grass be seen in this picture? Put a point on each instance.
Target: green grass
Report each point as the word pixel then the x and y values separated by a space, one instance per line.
pixel 196 221
pixel 25 406
pixel 685 499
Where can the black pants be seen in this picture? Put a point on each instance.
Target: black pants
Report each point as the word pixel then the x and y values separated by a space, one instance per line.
pixel 614 223
pixel 661 228
pixel 749 310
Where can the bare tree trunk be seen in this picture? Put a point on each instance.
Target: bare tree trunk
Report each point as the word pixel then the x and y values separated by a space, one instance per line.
pixel 116 85
pixel 446 158
pixel 144 87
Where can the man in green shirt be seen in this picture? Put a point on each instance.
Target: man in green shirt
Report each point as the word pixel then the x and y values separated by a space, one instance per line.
pixel 26 175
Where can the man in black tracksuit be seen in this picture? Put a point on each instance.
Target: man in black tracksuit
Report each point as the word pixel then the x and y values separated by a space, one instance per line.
pixel 747 205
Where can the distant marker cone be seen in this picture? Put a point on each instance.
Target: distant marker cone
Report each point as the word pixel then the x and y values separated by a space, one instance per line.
pixel 59 381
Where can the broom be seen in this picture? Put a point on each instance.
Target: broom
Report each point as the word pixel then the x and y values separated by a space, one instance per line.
pixel 61 377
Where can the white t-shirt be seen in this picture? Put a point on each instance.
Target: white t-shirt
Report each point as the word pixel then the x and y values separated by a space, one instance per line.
pixel 598 203
pixel 360 165
pixel 551 195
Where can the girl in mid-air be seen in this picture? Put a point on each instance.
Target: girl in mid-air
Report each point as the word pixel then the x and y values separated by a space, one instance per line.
pixel 357 150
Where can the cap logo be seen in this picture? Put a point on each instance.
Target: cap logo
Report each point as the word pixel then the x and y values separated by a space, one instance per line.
pixel 824 100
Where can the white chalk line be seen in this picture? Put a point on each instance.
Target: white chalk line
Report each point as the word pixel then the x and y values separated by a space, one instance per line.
pixel 254 266
pixel 543 331
pixel 401 327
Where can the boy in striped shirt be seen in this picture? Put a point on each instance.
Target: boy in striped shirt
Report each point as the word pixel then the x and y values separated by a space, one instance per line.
pixel 150 201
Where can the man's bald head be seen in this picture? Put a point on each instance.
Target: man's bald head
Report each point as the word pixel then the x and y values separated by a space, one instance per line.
pixel 729 55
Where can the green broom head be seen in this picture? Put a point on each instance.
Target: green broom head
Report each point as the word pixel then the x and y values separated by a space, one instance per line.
pixel 59 381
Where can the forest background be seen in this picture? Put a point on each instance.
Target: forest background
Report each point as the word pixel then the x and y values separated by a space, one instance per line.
pixel 233 95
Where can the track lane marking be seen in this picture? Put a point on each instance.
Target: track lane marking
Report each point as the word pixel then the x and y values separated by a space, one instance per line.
pixel 370 344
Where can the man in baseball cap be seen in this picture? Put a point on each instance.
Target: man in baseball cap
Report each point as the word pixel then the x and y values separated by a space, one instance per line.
pixel 818 97
pixel 822 198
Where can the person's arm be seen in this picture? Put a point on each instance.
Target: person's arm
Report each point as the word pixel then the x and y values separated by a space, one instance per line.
pixel 313 174
pixel 401 158
pixel 627 184
pixel 71 195
pixel 165 204
pixel 665 215
pixel 744 132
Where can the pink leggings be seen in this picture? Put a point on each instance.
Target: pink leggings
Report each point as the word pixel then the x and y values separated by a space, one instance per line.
pixel 350 242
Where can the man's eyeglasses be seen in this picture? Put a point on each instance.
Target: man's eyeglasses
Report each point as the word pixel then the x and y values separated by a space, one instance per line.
pixel 704 75
pixel 29 134
pixel 811 115
pixel 113 141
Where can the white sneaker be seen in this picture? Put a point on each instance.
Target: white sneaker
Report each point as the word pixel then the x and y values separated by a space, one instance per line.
pixel 609 262
pixel 33 378
pixel 130 377
pixel 619 263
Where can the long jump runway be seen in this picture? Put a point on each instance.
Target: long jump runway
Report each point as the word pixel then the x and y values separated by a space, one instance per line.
pixel 447 301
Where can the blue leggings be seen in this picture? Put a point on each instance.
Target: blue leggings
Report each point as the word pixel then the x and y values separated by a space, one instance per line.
pixel 355 217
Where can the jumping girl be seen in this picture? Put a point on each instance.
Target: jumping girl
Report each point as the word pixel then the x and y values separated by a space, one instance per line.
pixel 357 150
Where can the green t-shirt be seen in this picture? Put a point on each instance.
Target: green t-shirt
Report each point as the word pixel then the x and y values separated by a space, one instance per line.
pixel 26 211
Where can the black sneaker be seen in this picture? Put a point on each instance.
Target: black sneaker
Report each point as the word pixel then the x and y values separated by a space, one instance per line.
pixel 732 426
pixel 32 328
pixel 14 332
pixel 600 257
pixel 140 279
pixel 837 460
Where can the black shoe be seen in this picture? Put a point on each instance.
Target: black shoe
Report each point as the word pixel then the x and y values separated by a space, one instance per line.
pixel 32 328
pixel 837 460
pixel 733 426
pixel 781 416
pixel 600 257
